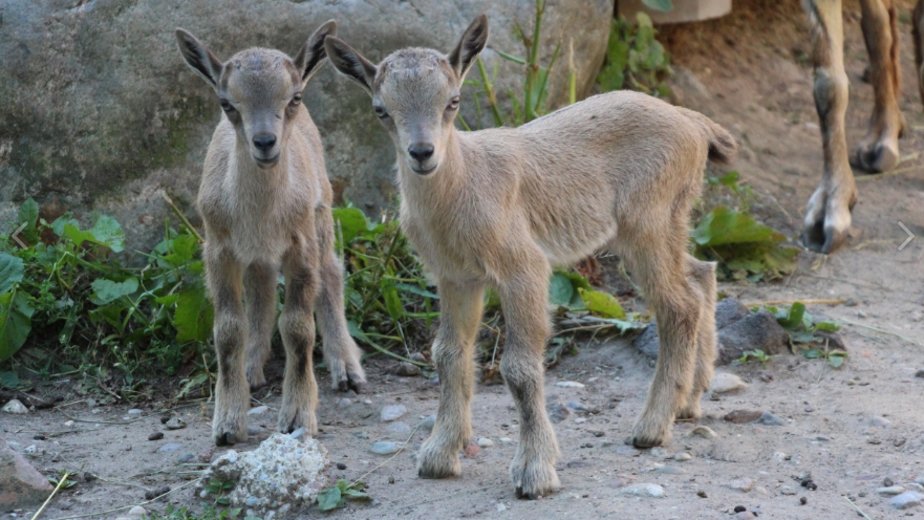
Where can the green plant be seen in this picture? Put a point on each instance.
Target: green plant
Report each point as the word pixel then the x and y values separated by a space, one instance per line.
pixel 209 512
pixel 68 297
pixel 635 59
pixel 753 355
pixel 337 495
pixel 814 338
pixel 743 247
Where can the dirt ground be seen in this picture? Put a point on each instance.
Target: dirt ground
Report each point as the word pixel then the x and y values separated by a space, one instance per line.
pixel 850 429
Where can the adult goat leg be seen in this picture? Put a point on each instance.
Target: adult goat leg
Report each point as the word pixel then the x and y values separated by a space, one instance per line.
pixel 827 217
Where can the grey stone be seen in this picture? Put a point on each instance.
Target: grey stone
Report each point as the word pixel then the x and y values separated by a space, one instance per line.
pixel 906 500
pixel 393 412
pixel 384 447
pixel 398 428
pixel 406 369
pixel 186 457
pixel 484 442
pixel 258 410
pixel 21 485
pixel 135 412
pixel 175 423
pixel 890 490
pixel 643 490
pixel 739 330
pixel 769 419
pixel 426 424
pixel 725 382
pixel 130 121
pixel 170 447
pixel 704 432
pixel 741 484
pixel 15 406
pixel 683 456
pixel 569 384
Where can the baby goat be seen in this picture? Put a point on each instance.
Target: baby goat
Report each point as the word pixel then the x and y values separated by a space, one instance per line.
pixel 501 206
pixel 266 203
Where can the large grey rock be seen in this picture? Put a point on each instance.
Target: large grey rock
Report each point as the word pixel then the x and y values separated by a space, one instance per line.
pixel 21 485
pixel 739 330
pixel 99 110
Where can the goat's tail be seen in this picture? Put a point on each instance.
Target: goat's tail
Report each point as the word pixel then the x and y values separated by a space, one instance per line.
pixel 722 146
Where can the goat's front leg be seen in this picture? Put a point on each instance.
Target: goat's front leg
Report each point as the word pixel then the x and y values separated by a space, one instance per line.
pixel 827 216
pixel 878 152
pixel 260 308
pixel 453 351
pixel 917 35
pixel 296 326
pixel 340 351
pixel 524 301
pixel 232 395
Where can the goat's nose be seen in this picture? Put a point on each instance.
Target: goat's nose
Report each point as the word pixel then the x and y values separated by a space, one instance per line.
pixel 264 141
pixel 420 151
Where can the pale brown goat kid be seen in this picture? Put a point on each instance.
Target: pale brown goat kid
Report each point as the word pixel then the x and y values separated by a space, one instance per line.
pixel 265 200
pixel 499 207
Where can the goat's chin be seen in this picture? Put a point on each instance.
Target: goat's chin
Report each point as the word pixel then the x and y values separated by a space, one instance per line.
pixel 424 169
pixel 265 164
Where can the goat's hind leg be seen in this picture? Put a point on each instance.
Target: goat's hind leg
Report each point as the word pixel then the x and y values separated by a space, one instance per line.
pixel 703 274
pixel 659 263
pixel 827 217
pixel 453 351
pixel 917 34
pixel 296 326
pixel 340 351
pixel 878 152
pixel 232 395
pixel 260 308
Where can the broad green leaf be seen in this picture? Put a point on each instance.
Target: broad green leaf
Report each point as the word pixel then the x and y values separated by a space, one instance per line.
pixel 792 320
pixel 393 303
pixel 15 322
pixel 415 289
pixel 192 318
pixel 107 291
pixel 561 291
pixel 182 250
pixel 107 231
pixel 11 271
pixel 827 326
pixel 726 226
pixel 329 499
pixel 602 304
pixel 352 222
pixel 29 215
pixel 658 5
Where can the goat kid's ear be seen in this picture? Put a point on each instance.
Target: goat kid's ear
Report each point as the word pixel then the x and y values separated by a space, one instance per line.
pixel 471 44
pixel 199 57
pixel 312 53
pixel 350 62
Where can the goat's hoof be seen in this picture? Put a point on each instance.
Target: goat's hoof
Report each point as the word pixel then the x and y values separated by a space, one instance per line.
pixel 354 382
pixel 827 219
pixel 690 412
pixel 534 479
pixel 256 380
pixel 648 433
pixel 227 438
pixel 434 462
pixel 877 157
pixel 294 419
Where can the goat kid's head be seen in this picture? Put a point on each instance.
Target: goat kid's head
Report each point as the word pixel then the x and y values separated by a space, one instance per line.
pixel 260 90
pixel 415 92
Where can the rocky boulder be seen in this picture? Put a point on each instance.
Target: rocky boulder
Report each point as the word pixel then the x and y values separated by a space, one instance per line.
pixel 21 485
pixel 99 111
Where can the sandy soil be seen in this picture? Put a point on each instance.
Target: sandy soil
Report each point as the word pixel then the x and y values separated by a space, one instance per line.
pixel 850 429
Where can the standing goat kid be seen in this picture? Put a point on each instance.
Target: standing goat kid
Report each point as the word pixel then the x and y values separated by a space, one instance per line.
pixel 266 203
pixel 501 206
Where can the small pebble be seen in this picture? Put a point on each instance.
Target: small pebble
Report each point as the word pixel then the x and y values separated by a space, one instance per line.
pixel 683 456
pixel 704 432
pixel 569 384
pixel 186 457
pixel 643 490
pixel 393 412
pixel 384 447
pixel 258 410
pixel 724 382
pixel 15 406
pixel 299 433
pixel 398 428
pixel 427 423
pixel 742 484
pixel 344 402
pixel 787 490
pixel 739 509
pixel 505 440
pixel 134 412
pixel 770 420
pixel 175 423
pixel 500 507
pixel 919 373
pixel 890 490
pixel 156 436
pixel 137 512
pixel 68 423
pixel 169 447
pixel 702 494
pixel 906 500
pixel 484 442
pixel 406 369
pixel 803 501
pixel 156 492
pixel 341 466
pixel 742 416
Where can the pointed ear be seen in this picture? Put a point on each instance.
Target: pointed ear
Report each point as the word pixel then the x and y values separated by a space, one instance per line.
pixel 350 62
pixel 472 42
pixel 312 53
pixel 199 57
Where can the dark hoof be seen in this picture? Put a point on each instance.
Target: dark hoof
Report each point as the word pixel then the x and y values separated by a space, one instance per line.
pixel 225 439
pixel 876 159
pixel 353 383
pixel 525 496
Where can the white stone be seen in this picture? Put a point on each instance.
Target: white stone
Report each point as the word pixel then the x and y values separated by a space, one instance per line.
pixel 393 412
pixel 569 384
pixel 643 490
pixel 742 484
pixel 258 410
pixel 15 406
pixel 890 490
pixel 724 382
pixel 906 500
pixel 484 442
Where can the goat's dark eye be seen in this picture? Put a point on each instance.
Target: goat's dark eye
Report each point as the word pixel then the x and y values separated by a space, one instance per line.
pixel 380 111
pixel 226 105
pixel 453 103
pixel 296 99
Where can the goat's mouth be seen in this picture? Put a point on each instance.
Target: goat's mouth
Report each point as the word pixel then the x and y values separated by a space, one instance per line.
pixel 424 170
pixel 263 162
